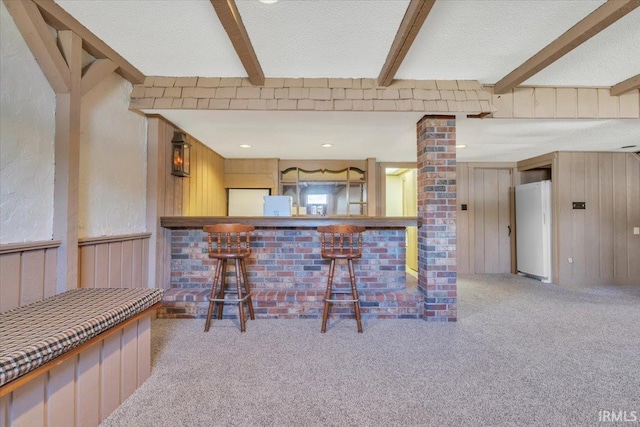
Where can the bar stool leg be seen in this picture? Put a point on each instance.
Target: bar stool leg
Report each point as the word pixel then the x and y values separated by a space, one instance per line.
pixel 239 290
pixel 214 288
pixel 327 296
pixel 247 289
pixel 354 292
pixel 223 286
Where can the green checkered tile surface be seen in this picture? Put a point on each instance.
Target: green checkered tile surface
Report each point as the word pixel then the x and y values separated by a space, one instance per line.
pixel 37 333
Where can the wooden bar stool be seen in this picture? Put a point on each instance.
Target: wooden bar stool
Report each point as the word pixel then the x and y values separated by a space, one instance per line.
pixel 341 242
pixel 230 242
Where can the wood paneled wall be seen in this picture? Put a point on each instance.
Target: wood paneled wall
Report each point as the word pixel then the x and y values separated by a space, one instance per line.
pixel 252 173
pixel 565 103
pixel 87 387
pixel 27 273
pixel 202 194
pixel 599 239
pixel 114 261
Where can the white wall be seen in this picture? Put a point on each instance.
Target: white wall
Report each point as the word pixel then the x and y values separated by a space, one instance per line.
pixel 26 141
pixel 113 162
pixel 394 195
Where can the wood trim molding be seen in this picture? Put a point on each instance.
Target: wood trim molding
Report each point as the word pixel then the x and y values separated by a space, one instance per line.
pixel 42 43
pixel 414 17
pixel 232 22
pixel 61 20
pixel 29 246
pixel 544 160
pixel 305 221
pixel 588 27
pixel 95 72
pixel 626 86
pixel 86 241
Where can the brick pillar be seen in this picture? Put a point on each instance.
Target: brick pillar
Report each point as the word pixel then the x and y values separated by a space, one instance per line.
pixel 437 208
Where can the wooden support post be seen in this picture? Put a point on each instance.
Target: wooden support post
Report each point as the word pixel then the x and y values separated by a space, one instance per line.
pixel 67 171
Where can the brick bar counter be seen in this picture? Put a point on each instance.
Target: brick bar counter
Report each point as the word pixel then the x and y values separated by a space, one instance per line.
pixel 286 272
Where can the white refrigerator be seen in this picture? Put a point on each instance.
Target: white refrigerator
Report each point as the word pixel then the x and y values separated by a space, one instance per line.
pixel 533 229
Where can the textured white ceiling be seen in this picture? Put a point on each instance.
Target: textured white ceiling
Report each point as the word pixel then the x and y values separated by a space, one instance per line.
pixel 391 137
pixel 479 40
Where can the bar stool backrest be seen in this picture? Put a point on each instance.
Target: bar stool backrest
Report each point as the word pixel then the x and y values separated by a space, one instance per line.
pixel 229 240
pixel 341 241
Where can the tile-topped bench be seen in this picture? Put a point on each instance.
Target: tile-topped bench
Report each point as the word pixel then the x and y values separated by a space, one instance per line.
pixel 72 338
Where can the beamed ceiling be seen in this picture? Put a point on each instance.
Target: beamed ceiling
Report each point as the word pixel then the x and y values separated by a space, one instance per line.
pixel 505 44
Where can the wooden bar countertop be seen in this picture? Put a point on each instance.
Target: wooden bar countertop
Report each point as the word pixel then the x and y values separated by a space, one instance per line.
pixel 302 221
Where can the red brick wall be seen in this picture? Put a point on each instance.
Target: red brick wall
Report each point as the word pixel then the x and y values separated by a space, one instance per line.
pixel 437 208
pixel 290 259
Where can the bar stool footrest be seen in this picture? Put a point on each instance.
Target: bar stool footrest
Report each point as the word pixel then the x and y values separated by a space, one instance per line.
pixel 342 300
pixel 234 300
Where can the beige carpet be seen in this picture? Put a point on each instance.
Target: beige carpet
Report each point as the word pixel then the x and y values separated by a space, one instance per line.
pixel 522 353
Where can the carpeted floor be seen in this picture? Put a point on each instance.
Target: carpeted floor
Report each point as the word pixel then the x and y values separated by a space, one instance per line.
pixel 522 353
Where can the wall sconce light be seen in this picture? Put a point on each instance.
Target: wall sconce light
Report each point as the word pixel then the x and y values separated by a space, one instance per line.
pixel 181 150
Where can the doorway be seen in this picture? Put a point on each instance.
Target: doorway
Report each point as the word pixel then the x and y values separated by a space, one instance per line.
pixel 491 224
pixel 401 194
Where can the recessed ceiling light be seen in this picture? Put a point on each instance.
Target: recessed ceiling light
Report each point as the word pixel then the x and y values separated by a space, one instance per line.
pixel 268 1
pixel 326 145
pixel 245 146
pixel 461 146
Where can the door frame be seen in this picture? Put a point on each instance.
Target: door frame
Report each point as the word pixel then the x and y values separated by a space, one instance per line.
pixel 471 167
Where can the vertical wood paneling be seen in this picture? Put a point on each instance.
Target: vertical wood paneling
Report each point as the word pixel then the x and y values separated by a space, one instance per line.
pixel 88 387
pixel 478 221
pixel 606 215
pixel 4 410
pixel 620 237
pixel 462 244
pixel 115 261
pixel 28 404
pixel 144 349
pixel 566 103
pixel 144 283
pixel 27 274
pixel 61 394
pixel 32 286
pixel 504 220
pixel 110 375
pixel 577 215
pixel 102 266
pixel 563 177
pixel 138 264
pixel 50 268
pixel 523 102
pixel 127 263
pixel 633 216
pixel 88 266
pixel 491 224
pixel 599 239
pixel 129 360
pixel 115 265
pixel 587 103
pixel 592 215
pixel 10 281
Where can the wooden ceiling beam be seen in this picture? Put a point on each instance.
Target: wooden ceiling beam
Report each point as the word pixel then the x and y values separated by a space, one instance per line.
pixel 625 86
pixel 95 72
pixel 591 25
pixel 42 43
pixel 414 17
pixel 232 22
pixel 61 20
